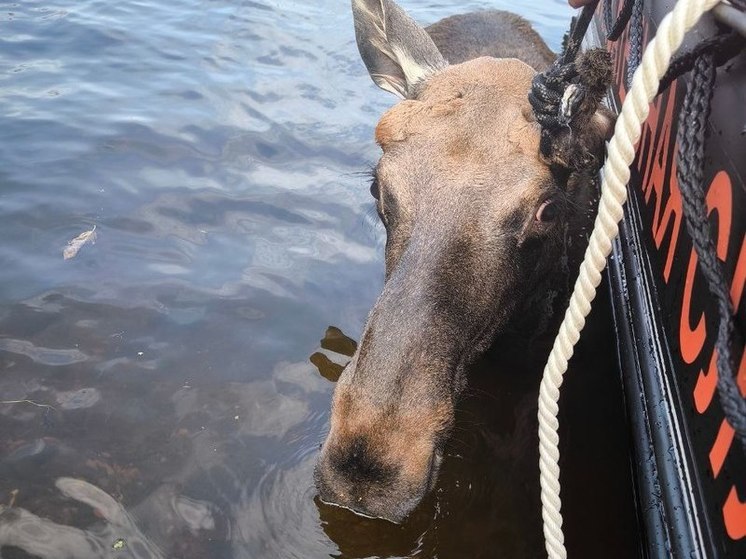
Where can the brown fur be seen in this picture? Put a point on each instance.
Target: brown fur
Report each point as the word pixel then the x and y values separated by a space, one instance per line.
pixel 494 33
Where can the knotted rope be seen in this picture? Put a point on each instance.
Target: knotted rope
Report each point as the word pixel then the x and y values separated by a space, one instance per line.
pixel 558 93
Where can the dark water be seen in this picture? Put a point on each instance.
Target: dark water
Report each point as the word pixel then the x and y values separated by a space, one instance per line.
pixel 158 397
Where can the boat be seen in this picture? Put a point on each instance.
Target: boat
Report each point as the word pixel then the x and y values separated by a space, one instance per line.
pixel 690 468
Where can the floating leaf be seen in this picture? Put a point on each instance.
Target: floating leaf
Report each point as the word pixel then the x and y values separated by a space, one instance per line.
pixel 72 248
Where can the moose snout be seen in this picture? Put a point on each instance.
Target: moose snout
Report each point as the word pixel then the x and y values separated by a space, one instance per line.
pixel 392 411
pixel 357 475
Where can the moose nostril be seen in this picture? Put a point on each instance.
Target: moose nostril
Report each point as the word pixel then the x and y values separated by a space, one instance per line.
pixel 351 474
pixel 358 462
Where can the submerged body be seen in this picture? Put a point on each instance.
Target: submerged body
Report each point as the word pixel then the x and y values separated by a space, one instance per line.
pixel 478 226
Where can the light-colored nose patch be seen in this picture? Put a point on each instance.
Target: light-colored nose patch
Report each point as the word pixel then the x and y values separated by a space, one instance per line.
pixel 401 441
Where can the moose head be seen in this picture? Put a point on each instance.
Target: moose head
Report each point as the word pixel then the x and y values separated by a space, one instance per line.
pixel 477 230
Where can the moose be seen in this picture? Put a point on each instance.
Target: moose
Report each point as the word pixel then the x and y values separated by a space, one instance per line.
pixel 482 233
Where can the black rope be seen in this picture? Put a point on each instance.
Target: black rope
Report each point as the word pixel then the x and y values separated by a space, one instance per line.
pixel 631 14
pixel 724 47
pixel 608 16
pixel 614 30
pixel 548 87
pixel 691 139
pixel 546 93
pixel 635 41
pixel 577 32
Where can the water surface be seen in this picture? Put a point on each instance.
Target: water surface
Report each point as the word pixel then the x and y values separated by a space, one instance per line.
pixel 159 400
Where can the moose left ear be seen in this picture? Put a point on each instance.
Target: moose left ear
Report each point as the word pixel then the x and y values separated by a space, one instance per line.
pixel 398 53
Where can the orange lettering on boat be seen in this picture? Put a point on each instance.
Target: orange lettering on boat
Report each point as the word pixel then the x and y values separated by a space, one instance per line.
pixel 672 211
pixel 691 340
pixel 734 511
pixel 721 447
pixel 739 277
pixel 705 387
pixel 656 164
pixel 734 515
pixel 706 382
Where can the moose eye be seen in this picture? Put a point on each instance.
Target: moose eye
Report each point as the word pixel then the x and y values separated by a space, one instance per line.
pixel 374 189
pixel 547 212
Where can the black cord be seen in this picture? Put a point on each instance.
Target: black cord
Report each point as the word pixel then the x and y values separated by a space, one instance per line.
pixel 635 41
pixel 693 118
pixel 723 46
pixel 614 30
pixel 577 33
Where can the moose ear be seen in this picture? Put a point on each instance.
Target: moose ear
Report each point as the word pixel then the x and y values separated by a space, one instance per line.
pixel 398 53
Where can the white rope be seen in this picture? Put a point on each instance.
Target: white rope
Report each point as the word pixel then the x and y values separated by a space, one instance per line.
pixel 621 153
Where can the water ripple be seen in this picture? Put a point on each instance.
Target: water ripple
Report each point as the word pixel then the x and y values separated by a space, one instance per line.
pixel 216 146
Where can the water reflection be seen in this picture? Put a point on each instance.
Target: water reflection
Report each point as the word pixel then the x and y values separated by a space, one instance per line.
pixel 336 349
pixel 43 355
pixel 198 488
pixel 114 532
pixel 358 537
pixel 157 389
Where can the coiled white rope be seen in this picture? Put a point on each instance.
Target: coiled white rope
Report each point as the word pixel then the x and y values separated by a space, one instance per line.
pixel 621 152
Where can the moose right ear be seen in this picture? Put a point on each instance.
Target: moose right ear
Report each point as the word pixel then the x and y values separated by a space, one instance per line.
pixel 398 53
